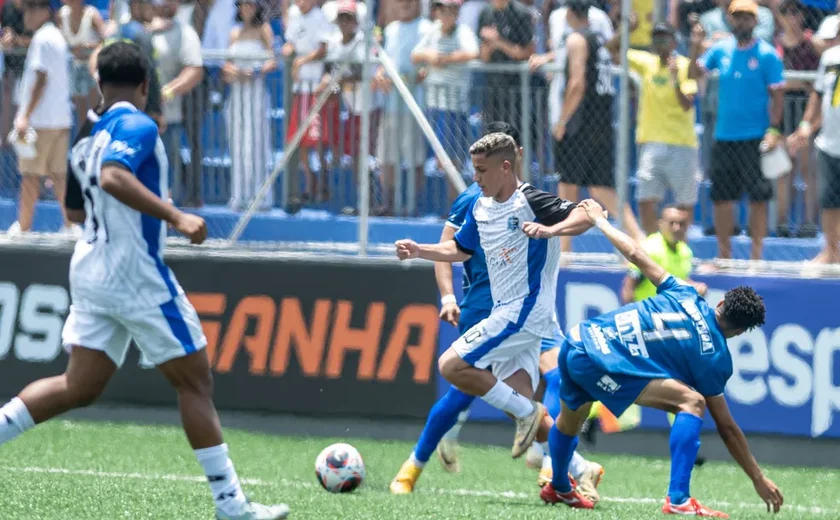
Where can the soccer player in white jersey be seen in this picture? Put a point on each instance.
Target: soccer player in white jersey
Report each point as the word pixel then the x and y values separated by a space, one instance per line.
pixel 122 290
pixel 498 359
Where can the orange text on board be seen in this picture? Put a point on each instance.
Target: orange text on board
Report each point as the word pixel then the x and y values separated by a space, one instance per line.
pixel 320 343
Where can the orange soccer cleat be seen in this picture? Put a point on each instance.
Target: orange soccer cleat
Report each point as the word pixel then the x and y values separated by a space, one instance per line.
pixel 572 499
pixel 691 507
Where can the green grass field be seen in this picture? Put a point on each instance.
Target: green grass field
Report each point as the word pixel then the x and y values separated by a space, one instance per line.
pixel 84 470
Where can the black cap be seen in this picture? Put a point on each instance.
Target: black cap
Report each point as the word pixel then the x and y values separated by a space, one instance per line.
pixel 664 28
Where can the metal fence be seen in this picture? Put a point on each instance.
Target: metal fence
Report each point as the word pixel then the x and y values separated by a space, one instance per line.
pixel 235 129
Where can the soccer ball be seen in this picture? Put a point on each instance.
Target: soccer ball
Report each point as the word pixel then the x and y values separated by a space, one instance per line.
pixel 340 468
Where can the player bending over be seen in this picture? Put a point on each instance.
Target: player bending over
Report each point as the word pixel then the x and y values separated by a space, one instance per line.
pixel 498 358
pixel 122 290
pixel 667 352
pixel 441 429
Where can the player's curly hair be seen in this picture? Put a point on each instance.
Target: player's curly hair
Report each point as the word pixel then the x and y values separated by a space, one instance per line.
pixel 743 308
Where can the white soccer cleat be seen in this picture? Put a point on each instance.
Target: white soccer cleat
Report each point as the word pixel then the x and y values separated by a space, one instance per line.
pixel 254 511
pixel 526 430
pixel 447 451
pixel 589 481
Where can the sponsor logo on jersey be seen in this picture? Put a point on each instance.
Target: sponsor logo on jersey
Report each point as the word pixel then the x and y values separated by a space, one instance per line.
pixel 707 346
pixel 608 384
pixel 513 223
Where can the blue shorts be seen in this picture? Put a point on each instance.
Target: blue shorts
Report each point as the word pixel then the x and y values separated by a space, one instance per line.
pixel 582 381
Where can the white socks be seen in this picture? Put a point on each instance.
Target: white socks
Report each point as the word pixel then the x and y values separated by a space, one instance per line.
pixel 456 430
pixel 416 462
pixel 14 420
pixel 224 484
pixel 577 465
pixel 503 397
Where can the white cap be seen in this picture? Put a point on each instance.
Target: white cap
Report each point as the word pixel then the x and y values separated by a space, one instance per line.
pixel 828 28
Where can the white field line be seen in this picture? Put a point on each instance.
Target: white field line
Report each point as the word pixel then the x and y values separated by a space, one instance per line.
pixel 438 491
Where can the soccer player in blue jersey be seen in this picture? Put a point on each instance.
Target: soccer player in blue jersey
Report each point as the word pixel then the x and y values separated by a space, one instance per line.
pixel 123 292
pixel 667 352
pixel 476 306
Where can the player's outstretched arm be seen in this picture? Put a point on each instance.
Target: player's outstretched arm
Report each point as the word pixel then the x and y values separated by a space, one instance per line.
pixel 449 311
pixel 448 251
pixel 736 443
pixel 127 188
pixel 628 247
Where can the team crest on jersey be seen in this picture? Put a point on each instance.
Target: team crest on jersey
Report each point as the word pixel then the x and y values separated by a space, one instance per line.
pixel 122 147
pixel 513 223
pixel 753 64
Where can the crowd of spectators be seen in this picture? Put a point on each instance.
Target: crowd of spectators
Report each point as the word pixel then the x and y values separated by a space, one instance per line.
pixel 744 103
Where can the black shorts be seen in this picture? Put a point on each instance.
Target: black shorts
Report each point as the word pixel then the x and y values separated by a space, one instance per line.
pixel 828 173
pixel 587 158
pixel 736 169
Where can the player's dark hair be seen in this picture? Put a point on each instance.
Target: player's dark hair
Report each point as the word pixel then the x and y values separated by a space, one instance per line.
pixel 504 127
pixel 743 308
pixel 497 144
pixel 122 64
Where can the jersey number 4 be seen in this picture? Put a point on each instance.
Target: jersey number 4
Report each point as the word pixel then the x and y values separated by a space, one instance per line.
pixel 635 339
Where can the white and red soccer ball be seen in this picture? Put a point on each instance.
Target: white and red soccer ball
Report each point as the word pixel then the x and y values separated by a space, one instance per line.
pixel 340 468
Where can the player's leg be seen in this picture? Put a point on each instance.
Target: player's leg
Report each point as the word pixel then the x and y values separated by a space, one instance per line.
pixel 464 365
pixel 689 406
pixel 171 338
pixel 88 372
pixel 441 418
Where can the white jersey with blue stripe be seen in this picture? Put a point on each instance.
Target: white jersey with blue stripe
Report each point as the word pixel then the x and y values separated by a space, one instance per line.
pixel 522 271
pixel 118 262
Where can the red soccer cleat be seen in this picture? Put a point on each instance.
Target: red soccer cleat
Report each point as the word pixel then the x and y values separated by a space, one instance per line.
pixel 691 507
pixel 572 498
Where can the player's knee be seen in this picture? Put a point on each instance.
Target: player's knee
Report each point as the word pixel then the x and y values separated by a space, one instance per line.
pixel 200 383
pixel 451 367
pixel 693 403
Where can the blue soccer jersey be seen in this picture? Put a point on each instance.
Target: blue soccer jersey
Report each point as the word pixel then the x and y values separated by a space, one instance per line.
pixel 476 282
pixel 673 335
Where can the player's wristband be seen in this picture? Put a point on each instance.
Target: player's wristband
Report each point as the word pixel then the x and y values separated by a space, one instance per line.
pixel 773 130
pixel 600 221
pixel 806 126
pixel 449 298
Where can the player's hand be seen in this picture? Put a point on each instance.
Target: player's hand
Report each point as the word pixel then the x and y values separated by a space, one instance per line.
pixel 21 126
pixel 536 230
pixel 672 66
pixel 771 140
pixel 701 288
pixel 536 61
pixel 191 226
pixel 698 35
pixel 798 140
pixel 593 210
pixel 407 249
pixel 450 313
pixel 559 131
pixel 770 493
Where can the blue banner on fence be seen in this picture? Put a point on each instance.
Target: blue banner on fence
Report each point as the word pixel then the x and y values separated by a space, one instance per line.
pixel 786 377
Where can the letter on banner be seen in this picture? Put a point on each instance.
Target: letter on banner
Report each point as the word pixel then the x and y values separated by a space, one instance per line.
pixel 262 309
pixel 755 361
pixel 8 313
pixel 785 340
pixel 308 342
pixel 826 394
pixel 423 317
pixel 212 305
pixel 585 298
pixel 42 310
pixel 366 340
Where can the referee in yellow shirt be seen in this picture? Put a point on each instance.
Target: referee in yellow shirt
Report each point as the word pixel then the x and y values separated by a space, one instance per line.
pixel 665 130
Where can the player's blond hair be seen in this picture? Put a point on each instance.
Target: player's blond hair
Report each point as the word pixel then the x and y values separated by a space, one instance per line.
pixel 496 144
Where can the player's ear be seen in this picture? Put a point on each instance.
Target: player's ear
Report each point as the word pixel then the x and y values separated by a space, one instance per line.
pixel 145 87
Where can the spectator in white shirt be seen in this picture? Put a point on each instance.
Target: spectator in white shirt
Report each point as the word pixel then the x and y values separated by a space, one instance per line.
pixel 44 108
pixel 307 33
pixel 443 51
pixel 180 69
pixel 83 28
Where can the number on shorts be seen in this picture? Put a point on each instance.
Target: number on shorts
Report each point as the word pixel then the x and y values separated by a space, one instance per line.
pixel 472 335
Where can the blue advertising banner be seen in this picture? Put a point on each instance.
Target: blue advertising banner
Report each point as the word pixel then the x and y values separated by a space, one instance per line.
pixel 786 377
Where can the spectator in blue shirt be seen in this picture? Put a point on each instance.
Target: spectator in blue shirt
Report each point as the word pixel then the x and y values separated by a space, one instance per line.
pixel 750 77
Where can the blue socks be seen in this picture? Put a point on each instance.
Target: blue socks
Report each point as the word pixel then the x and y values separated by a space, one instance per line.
pixel 685 443
pixel 551 400
pixel 442 418
pixel 562 448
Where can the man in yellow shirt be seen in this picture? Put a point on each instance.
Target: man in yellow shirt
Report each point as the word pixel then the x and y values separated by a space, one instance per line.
pixel 665 131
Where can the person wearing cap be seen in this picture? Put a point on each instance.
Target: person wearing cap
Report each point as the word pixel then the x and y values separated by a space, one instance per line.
pixel 665 129
pixel 446 46
pixel 750 110
pixel 823 114
pixel 718 26
pixel 45 110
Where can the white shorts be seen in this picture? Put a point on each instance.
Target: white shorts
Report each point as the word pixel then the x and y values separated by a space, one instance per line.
pixel 663 166
pixel 162 333
pixel 401 140
pixel 495 343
